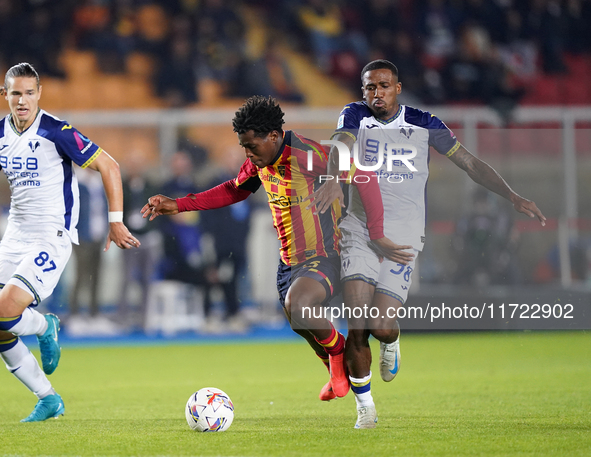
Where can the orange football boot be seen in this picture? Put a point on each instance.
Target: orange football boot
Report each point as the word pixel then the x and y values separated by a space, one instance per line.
pixel 327 394
pixel 338 374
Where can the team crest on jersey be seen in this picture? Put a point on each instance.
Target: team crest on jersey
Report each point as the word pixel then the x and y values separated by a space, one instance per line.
pixel 405 132
pixel 281 170
pixel 34 145
pixel 346 264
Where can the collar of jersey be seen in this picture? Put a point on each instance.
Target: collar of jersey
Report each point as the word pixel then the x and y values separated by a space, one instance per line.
pixel 393 118
pixel 281 149
pixel 14 127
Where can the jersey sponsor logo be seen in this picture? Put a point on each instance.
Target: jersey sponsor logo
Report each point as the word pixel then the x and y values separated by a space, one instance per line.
pixel 66 127
pixel 372 126
pixel 34 146
pixel 283 200
pixel 80 140
pixel 3 146
pixel 273 179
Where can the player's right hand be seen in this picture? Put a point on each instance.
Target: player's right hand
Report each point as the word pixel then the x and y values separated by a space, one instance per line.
pixel 159 205
pixel 392 251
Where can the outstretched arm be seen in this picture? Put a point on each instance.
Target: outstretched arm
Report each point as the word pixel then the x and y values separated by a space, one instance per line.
pixel 111 176
pixel 482 173
pixel 223 195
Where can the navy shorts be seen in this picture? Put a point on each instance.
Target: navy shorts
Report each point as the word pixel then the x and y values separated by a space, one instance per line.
pixel 325 270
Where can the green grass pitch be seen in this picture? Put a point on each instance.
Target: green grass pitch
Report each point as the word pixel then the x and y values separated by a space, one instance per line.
pixel 526 394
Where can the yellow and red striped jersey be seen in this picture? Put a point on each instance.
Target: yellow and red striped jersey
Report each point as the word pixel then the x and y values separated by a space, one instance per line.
pixel 287 182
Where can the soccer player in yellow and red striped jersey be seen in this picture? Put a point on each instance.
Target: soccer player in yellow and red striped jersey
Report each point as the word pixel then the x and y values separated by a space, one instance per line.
pixel 309 265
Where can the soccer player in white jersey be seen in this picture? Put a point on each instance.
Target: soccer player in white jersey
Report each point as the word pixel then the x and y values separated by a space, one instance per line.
pixel 37 152
pixel 399 136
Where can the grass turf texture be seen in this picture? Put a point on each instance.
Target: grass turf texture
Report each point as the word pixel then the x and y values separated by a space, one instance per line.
pixel 457 394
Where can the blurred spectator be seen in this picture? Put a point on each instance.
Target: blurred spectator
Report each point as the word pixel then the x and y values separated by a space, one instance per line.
pixel 92 234
pixel 325 26
pixel 140 263
pixel 477 73
pixel 380 21
pixel 43 42
pixel 437 24
pixel 546 22
pixel 175 79
pixel 152 31
pixel 402 52
pixel 9 32
pixel 485 243
pixel 187 256
pixel 219 43
pixel 269 75
pixel 230 226
pixel 107 29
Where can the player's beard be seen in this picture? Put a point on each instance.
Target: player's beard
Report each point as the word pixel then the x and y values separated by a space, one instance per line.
pixel 380 111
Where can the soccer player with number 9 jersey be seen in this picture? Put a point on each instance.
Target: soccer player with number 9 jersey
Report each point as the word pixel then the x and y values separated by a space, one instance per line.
pixel 394 141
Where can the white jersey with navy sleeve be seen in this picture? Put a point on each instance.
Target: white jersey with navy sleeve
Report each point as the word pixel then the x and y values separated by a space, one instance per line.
pixel 38 165
pixel 396 143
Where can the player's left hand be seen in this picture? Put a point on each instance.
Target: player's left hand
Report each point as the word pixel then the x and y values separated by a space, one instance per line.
pixel 120 235
pixel 325 196
pixel 392 251
pixel 525 206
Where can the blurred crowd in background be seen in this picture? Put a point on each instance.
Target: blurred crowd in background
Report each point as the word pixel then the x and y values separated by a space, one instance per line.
pixel 448 51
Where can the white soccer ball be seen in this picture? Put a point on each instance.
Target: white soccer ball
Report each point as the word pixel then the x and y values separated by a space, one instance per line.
pixel 209 410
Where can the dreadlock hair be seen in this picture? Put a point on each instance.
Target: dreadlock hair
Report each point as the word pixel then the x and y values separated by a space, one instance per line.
pixel 379 65
pixel 260 114
pixel 22 69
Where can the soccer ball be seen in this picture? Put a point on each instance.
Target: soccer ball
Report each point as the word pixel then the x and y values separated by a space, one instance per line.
pixel 209 410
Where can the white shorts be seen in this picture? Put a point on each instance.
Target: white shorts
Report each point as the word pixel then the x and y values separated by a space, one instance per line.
pixel 34 266
pixel 359 261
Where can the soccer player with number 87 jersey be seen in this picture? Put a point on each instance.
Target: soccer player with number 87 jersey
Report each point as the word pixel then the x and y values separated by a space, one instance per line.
pixel 37 152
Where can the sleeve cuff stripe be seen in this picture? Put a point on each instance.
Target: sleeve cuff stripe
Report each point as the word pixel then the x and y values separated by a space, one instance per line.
pixel 346 133
pixel 93 158
pixel 453 150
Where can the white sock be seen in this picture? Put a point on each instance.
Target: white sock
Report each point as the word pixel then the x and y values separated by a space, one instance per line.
pixel 361 387
pixel 32 323
pixel 21 363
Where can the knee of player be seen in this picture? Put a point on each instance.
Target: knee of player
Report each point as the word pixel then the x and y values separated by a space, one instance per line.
pixel 13 301
pixel 385 334
pixel 304 306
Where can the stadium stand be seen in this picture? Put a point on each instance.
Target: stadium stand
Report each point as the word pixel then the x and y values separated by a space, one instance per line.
pixel 118 54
